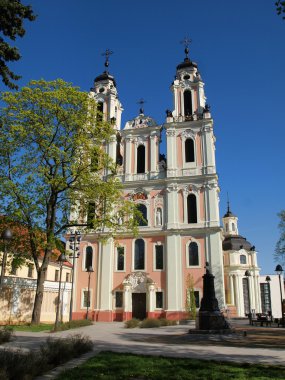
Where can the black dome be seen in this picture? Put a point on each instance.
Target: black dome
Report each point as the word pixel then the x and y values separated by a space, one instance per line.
pixel 229 214
pixel 235 243
pixel 186 63
pixel 105 76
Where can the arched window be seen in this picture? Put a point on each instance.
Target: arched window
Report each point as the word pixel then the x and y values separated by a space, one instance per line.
pixel 88 257
pixel 142 208
pixel 227 227
pixel 242 259
pixel 141 159
pixel 100 111
pixel 189 150
pixel 193 254
pixel 192 208
pixel 187 103
pixel 233 227
pixel 139 254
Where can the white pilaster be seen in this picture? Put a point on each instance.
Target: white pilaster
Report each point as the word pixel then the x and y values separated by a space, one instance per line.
pixel 174 273
pixel 171 152
pixel 128 158
pixel 106 275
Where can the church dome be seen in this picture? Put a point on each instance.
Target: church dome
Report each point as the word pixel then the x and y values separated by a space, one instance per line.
pixel 141 121
pixel 105 76
pixel 235 243
pixel 186 64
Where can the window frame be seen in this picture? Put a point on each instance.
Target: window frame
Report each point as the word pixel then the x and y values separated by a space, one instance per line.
pixel 145 255
pixel 83 290
pixel 115 299
pixel 83 263
pixel 187 254
pixel 158 244
pixel 116 258
pixel 162 298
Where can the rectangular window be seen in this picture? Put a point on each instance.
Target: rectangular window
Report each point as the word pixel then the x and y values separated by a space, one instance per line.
pixel 159 257
pixel 119 299
pixel 159 300
pixel 265 297
pixel 86 299
pixel 30 270
pixel 56 275
pixel 67 278
pixel 13 269
pixel 120 258
pixel 197 298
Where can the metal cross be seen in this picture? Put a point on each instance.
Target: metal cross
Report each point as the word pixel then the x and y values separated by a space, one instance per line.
pixel 186 42
pixel 107 54
pixel 141 102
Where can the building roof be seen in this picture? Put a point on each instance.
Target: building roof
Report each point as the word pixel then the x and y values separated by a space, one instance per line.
pixel 186 63
pixel 105 76
pixel 235 243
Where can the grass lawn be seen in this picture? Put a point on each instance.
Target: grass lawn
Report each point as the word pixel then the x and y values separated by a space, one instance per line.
pixel 34 328
pixel 110 366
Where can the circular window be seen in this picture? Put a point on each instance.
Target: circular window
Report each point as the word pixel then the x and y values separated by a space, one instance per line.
pixel 186 76
pixel 102 89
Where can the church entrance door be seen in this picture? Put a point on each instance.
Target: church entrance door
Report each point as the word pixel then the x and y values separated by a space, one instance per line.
pixel 139 305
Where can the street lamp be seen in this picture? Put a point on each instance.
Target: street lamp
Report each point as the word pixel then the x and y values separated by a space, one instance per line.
pixel 61 259
pixel 247 274
pixel 89 271
pixel 74 242
pixel 6 236
pixel 279 271
pixel 268 279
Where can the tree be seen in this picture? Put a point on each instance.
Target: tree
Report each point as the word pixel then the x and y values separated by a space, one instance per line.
pixel 50 133
pixel 12 16
pixel 280 246
pixel 280 8
pixel 190 305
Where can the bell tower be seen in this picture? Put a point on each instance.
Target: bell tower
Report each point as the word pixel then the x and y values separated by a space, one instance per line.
pixel 109 106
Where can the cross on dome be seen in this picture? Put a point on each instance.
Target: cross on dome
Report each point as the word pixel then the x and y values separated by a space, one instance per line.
pixel 107 54
pixel 186 42
pixel 141 102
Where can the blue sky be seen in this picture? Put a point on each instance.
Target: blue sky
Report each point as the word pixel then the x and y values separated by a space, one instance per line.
pixel 240 51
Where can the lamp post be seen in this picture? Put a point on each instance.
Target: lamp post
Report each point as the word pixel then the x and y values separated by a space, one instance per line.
pixel 89 271
pixel 61 259
pixel 247 274
pixel 279 271
pixel 268 279
pixel 6 236
pixel 74 241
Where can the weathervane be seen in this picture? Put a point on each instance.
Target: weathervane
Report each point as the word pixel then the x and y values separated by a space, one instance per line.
pixel 186 42
pixel 107 54
pixel 141 102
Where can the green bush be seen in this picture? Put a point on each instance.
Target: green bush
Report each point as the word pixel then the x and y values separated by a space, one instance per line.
pixel 6 334
pixel 74 324
pixel 58 351
pixel 150 323
pixel 167 322
pixel 132 323
pixel 19 365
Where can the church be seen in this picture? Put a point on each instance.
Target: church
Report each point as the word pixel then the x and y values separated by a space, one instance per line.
pixel 178 195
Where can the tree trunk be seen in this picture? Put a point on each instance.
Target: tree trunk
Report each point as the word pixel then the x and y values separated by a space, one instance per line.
pixel 36 316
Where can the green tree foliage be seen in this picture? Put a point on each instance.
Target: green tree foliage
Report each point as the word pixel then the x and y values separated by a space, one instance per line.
pixel 48 136
pixel 280 246
pixel 280 8
pixel 190 305
pixel 12 16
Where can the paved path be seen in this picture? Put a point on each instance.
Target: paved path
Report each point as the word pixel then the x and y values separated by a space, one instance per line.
pixel 113 336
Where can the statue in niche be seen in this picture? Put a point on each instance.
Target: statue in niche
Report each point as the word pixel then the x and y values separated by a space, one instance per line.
pixel 158 217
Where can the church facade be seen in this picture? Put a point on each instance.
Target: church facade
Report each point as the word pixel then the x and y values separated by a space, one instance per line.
pixel 178 195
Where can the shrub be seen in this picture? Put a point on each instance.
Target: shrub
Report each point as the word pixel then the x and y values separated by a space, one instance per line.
pixel 73 324
pixel 132 323
pixel 150 323
pixel 20 365
pixel 167 322
pixel 6 334
pixel 58 351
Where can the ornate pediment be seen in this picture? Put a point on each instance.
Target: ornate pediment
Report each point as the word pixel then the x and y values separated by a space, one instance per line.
pixel 138 282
